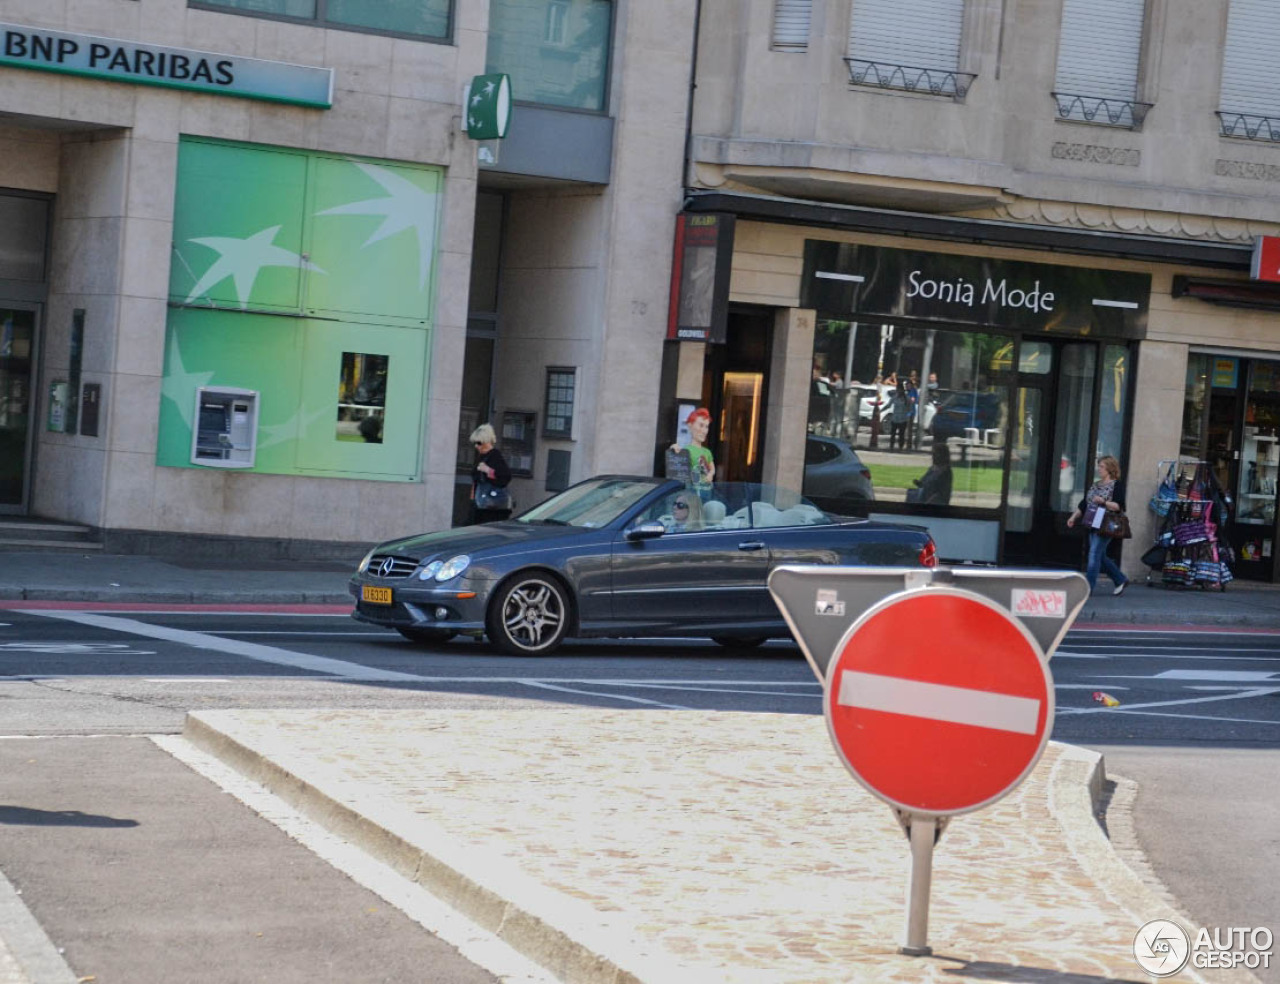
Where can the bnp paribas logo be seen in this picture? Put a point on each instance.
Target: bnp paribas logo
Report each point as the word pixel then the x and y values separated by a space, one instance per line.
pixel 402 207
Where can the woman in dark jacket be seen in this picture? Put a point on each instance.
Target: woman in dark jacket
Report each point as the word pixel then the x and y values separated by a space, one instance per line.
pixel 490 471
pixel 1106 492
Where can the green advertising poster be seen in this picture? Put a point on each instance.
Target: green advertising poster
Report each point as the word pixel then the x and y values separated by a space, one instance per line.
pixel 309 279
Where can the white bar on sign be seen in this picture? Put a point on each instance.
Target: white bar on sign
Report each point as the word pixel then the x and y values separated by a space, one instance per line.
pixel 851 277
pixel 1132 305
pixel 939 702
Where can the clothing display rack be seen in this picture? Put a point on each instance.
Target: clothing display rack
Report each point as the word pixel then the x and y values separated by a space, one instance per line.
pixel 1191 549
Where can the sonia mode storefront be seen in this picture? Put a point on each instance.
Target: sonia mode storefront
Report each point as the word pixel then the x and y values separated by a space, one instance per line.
pixel 975 391
pixel 1025 353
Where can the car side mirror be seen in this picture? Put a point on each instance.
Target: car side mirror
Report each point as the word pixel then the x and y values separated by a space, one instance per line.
pixel 646 531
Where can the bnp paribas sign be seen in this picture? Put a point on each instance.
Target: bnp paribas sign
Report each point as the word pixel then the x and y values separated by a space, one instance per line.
pixel 149 64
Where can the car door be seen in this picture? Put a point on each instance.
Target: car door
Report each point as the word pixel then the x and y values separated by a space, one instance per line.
pixel 696 575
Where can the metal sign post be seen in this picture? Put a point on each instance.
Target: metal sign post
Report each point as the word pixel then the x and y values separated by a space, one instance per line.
pixel 932 728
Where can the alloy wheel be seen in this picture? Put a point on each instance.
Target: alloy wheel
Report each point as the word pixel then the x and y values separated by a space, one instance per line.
pixel 529 617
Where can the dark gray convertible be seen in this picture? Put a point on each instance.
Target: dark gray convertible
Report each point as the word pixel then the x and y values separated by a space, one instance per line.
pixel 619 556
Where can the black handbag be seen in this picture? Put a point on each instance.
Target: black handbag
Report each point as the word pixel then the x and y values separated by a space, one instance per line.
pixel 1115 524
pixel 490 496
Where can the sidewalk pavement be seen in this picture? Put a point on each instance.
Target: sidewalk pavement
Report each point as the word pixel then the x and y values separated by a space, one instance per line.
pixel 678 847
pixel 127 579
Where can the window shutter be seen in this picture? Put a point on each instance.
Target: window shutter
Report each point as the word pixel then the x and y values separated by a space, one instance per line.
pixel 1099 48
pixel 920 34
pixel 1250 63
pixel 791 24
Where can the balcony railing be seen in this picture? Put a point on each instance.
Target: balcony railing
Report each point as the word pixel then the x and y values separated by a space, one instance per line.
pixel 1247 126
pixel 909 78
pixel 1104 111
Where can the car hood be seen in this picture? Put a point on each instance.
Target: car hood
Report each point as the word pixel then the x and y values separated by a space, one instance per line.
pixel 491 537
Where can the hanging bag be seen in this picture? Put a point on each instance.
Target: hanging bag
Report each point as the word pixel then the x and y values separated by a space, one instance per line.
pixel 1166 493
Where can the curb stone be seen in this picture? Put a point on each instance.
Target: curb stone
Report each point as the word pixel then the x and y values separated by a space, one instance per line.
pixel 448 871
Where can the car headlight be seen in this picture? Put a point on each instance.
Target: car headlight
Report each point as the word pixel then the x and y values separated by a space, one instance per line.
pixel 364 564
pixel 428 572
pixel 453 567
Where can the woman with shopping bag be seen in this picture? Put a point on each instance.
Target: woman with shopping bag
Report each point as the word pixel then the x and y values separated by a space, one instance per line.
pixel 1102 512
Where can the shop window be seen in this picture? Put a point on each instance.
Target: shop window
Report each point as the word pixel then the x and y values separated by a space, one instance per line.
pixel 417 18
pixel 362 397
pixel 556 51
pixel 1194 405
pixel 25 221
pixel 910 418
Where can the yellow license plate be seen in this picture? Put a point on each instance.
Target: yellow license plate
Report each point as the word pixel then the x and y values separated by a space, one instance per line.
pixel 375 596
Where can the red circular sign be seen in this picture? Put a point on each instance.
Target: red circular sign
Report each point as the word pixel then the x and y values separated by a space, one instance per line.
pixel 938 701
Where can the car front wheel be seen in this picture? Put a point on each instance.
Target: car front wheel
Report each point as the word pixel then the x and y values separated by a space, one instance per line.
pixel 529 615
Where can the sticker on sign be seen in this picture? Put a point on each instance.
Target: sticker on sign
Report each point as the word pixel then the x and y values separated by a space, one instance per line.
pixel 828 603
pixel 1033 603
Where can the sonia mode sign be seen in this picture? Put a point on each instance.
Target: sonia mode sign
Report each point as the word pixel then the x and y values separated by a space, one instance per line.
pixel 149 64
pixel 845 280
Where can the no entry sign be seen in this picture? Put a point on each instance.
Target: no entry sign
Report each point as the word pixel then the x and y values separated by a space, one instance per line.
pixel 938 701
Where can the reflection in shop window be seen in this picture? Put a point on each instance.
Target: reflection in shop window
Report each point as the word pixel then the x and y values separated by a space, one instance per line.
pixel 362 397
pixel 916 417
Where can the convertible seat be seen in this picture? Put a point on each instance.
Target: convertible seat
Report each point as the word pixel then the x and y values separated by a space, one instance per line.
pixel 713 512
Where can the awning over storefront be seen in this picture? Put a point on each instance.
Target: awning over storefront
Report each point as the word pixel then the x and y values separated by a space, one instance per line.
pixel 990 232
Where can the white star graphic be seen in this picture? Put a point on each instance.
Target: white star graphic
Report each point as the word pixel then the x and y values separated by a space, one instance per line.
pixel 179 386
pixel 243 260
pixel 475 100
pixel 409 207
pixel 489 87
pixel 293 428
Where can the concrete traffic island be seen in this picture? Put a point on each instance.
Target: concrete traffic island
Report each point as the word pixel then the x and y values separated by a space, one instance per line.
pixel 679 846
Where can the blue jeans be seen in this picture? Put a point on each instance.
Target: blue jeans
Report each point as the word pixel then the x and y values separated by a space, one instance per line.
pixel 1098 560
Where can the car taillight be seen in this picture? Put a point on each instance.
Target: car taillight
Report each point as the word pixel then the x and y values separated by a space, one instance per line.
pixel 929 554
pixel 866 473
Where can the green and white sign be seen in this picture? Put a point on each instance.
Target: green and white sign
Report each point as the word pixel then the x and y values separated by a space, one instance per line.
pixel 149 64
pixel 309 278
pixel 488 107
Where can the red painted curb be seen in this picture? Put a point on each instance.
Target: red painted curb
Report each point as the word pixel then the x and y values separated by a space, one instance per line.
pixel 126 606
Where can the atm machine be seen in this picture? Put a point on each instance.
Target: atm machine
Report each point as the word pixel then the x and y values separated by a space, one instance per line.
pixel 225 432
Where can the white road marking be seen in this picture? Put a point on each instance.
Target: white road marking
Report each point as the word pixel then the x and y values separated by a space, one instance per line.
pixel 249 650
pixel 1188 717
pixel 1085 686
pixel 474 943
pixel 183 680
pixel 543 685
pixel 938 702
pixel 1110 647
pixel 1155 656
pixel 1239 695
pixel 1219 676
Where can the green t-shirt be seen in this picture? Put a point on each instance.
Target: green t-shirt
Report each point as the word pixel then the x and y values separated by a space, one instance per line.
pixel 697 455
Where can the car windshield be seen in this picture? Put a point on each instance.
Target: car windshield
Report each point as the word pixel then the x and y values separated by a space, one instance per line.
pixel 732 506
pixel 591 504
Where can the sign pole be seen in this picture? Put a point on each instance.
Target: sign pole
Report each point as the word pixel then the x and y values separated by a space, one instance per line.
pixel 923 835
